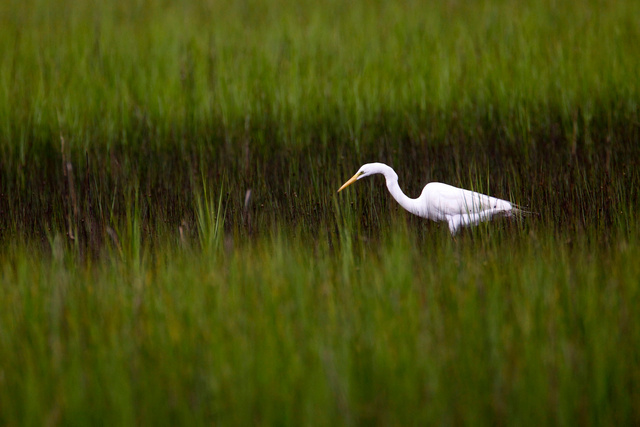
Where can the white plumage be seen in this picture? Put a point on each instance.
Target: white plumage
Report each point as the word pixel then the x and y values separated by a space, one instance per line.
pixel 441 202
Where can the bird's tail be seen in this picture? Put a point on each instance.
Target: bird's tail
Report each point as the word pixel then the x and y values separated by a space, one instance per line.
pixel 520 211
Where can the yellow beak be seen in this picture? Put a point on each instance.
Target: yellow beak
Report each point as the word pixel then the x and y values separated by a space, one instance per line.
pixel 353 179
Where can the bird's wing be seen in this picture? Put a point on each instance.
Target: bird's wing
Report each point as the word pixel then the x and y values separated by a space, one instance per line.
pixel 448 200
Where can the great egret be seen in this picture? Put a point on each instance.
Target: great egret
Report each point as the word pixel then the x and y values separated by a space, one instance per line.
pixel 441 202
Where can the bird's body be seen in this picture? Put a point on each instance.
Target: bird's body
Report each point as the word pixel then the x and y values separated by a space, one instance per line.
pixel 441 202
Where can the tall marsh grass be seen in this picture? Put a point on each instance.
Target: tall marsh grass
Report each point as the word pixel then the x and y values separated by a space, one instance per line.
pixel 409 330
pixel 172 249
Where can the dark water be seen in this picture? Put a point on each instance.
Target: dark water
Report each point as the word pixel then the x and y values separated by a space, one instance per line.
pixel 574 180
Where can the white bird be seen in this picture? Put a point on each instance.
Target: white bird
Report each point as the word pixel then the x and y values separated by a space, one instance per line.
pixel 441 202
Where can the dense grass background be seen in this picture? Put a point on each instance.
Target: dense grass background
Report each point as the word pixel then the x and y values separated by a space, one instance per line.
pixel 311 71
pixel 141 282
pixel 147 98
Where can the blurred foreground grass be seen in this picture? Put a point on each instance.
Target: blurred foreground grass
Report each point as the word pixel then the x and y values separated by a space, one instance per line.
pixel 495 330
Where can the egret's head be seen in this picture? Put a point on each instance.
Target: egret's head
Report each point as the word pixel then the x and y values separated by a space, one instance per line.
pixel 365 170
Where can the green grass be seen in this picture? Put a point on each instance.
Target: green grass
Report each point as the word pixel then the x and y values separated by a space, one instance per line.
pixel 407 330
pixel 106 73
pixel 173 250
pixel 154 97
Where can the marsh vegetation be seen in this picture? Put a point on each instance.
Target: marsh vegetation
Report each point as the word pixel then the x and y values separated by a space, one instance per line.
pixel 173 250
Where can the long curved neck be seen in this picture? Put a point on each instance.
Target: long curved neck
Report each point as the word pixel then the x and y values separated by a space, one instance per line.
pixel 392 184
